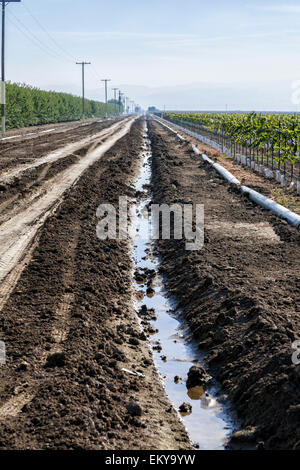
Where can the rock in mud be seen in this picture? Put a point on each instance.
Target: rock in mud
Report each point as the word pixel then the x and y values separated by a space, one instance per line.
pixel 147 314
pixel 157 347
pixel 197 376
pixel 139 277
pixel 185 408
pixel 151 330
pixel 134 409
pixel 150 291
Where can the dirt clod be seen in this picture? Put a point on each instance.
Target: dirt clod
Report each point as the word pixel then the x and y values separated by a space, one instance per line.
pixel 197 376
pixel 185 408
pixel 134 409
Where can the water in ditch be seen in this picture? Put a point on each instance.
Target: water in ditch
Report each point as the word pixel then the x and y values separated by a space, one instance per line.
pixel 209 422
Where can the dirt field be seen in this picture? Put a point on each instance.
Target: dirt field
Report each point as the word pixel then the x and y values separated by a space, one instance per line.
pixel 70 328
pixel 240 294
pixel 66 298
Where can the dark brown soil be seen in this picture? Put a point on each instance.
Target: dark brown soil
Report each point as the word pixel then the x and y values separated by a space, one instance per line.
pixel 240 293
pixel 69 327
pixel 25 150
pixel 31 180
pixel 23 131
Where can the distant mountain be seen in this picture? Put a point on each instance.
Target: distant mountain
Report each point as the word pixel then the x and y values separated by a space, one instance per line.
pixel 214 96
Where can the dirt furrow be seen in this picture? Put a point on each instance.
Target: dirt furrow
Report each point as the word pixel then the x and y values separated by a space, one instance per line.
pixel 24 152
pixel 239 293
pixel 57 154
pixel 23 190
pixel 61 326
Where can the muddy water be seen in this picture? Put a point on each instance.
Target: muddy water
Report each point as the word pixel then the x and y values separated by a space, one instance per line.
pixel 209 423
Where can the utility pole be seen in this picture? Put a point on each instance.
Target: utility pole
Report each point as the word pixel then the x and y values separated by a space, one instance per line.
pixel 106 80
pixel 115 99
pixel 3 65
pixel 120 101
pixel 83 104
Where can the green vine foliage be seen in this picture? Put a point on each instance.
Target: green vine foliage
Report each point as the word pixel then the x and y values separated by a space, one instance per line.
pixel 277 134
pixel 30 106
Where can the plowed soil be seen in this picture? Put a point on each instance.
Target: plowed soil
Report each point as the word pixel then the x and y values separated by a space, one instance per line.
pixel 240 293
pixel 70 328
pixel 25 149
pixel 79 371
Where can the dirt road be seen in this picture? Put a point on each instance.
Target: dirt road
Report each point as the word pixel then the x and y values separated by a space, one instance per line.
pixel 18 231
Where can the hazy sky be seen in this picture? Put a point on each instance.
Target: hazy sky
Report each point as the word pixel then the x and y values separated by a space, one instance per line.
pixel 191 54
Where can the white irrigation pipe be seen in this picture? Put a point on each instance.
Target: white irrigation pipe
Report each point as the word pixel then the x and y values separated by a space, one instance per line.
pixel 170 129
pixel 265 202
pixel 220 169
pixel 291 217
pixel 239 158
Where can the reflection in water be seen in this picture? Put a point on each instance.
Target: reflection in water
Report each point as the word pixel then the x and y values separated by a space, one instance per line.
pixel 185 413
pixel 206 422
pixel 195 393
pixel 207 401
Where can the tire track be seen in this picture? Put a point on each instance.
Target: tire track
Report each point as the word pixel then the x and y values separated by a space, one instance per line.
pixel 57 154
pixel 60 329
pixel 17 234
pixel 25 150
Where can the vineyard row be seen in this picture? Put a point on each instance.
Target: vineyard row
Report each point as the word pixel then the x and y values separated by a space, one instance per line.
pixel 271 140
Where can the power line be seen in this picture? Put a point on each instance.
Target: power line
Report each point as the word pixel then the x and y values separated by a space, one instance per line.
pixel 34 37
pixel 95 72
pixel 34 40
pixel 105 80
pixel 115 98
pixel 44 47
pixel 70 57
pixel 83 64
